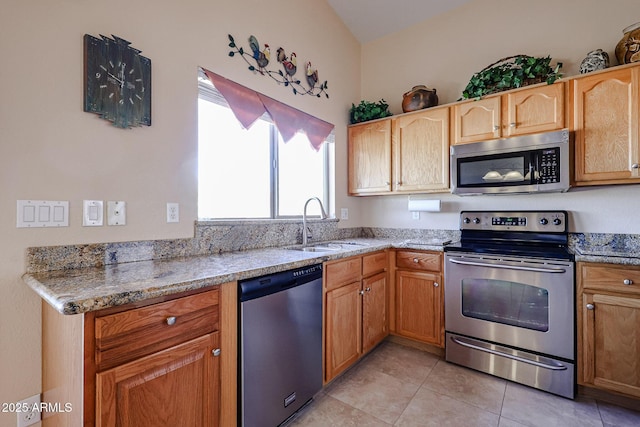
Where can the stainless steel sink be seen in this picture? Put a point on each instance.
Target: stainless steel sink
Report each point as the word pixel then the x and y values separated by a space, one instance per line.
pixel 318 248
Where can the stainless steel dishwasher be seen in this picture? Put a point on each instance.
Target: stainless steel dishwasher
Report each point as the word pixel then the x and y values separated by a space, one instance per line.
pixel 280 345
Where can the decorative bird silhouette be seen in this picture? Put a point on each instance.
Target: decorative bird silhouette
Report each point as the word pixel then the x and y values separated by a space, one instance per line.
pixel 312 75
pixel 262 58
pixel 280 55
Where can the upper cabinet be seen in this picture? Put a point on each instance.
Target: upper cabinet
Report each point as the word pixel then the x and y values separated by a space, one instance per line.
pixel 604 108
pixel 518 112
pixel 406 154
pixel 370 157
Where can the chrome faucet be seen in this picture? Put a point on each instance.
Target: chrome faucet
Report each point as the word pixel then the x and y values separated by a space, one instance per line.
pixel 323 215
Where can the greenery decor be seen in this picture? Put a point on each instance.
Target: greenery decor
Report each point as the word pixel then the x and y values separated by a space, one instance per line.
pixel 510 73
pixel 366 111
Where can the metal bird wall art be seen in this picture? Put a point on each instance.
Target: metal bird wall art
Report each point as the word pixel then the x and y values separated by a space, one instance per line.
pixel 258 57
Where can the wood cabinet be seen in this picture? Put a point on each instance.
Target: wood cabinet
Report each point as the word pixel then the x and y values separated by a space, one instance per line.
pixel 524 111
pixel 407 154
pixel 369 157
pixel 156 362
pixel 604 116
pixel 419 297
pixel 608 308
pixel 421 151
pixel 355 309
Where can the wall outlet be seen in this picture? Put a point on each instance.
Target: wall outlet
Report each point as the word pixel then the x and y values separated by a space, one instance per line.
pixel 415 215
pixel 173 212
pixel 29 411
pixel 344 213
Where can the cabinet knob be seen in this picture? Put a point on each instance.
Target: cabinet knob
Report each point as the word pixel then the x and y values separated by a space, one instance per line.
pixel 512 124
pixel 590 306
pixel 361 292
pixel 416 260
pixel 627 282
pixel 436 284
pixel 171 320
pixel 496 128
pixel 216 352
pixel 635 166
pixel 368 289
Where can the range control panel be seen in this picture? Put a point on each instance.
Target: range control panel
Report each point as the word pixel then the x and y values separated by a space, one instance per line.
pixel 536 221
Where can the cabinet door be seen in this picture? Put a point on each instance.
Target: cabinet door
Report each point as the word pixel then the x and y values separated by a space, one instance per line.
pixel 374 311
pixel 419 306
pixel 605 119
pixel 610 342
pixel 538 109
pixel 370 158
pixel 476 120
pixel 176 386
pixel 421 151
pixel 343 333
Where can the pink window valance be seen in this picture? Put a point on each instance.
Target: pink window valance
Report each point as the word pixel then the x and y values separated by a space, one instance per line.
pixel 248 105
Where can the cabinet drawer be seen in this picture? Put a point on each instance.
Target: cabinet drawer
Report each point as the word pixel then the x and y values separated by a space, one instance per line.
pixel 612 277
pixel 343 272
pixel 374 263
pixel 419 260
pixel 128 335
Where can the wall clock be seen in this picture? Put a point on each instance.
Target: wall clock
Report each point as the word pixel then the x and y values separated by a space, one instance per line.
pixel 117 81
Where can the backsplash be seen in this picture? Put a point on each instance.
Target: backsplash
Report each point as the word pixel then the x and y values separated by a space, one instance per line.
pixel 214 237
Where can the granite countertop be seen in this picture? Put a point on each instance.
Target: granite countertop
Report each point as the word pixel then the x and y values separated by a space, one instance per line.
pixel 82 290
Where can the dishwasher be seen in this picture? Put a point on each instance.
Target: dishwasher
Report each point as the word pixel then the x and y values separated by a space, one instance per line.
pixel 280 345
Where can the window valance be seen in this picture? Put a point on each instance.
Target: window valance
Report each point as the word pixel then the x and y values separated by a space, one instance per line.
pixel 248 105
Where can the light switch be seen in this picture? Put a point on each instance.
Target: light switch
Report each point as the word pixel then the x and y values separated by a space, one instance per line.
pixel 92 213
pixel 42 213
pixel 116 213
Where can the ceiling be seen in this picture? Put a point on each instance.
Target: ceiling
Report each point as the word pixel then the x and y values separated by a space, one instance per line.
pixel 371 19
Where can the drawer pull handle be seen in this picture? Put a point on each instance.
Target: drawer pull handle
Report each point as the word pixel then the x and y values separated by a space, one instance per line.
pixel 416 260
pixel 171 320
pixel 368 289
pixel 216 352
pixel 627 282
pixel 436 284
pixel 635 166
pixel 590 306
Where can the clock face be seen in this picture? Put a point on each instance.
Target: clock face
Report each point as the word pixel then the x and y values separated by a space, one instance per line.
pixel 117 81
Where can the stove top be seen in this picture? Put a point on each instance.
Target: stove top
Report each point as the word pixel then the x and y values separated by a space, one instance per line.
pixel 538 234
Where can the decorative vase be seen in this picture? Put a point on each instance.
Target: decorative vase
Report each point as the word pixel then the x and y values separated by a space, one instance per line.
pixel 419 97
pixel 596 60
pixel 628 48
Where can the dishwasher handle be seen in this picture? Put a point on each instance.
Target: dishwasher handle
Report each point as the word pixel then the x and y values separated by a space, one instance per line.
pixel 272 283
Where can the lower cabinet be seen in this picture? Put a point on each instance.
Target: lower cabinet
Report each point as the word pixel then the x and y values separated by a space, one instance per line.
pixel 608 308
pixel 176 386
pixel 355 309
pixel 155 363
pixel 419 296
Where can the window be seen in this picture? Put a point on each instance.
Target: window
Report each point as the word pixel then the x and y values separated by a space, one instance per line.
pixel 253 173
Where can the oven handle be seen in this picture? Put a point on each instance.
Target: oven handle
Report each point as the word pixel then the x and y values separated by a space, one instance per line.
pixel 508 267
pixel 554 367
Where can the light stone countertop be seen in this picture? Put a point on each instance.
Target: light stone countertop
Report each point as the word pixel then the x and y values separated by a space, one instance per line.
pixel 81 290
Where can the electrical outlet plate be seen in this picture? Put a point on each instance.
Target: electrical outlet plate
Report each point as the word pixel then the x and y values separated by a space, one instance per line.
pixel 116 213
pixel 173 212
pixel 344 213
pixel 415 214
pixel 30 411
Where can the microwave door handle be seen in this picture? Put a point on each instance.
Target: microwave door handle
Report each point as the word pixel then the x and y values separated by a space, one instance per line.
pixel 507 266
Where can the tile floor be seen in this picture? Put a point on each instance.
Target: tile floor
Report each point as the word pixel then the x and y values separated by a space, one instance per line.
pixel 397 385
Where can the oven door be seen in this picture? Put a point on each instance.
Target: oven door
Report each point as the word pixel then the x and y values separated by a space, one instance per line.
pixel 524 303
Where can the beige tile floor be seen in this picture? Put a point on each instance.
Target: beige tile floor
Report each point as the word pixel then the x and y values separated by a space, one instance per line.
pixel 397 385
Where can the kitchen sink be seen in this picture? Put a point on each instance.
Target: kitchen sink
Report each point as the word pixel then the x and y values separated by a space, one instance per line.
pixel 318 248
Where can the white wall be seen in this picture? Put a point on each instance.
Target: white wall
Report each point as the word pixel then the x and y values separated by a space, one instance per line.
pixel 51 150
pixel 446 51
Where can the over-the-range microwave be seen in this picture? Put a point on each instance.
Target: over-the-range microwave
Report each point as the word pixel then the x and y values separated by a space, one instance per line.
pixel 523 164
